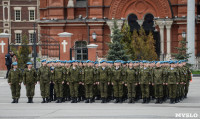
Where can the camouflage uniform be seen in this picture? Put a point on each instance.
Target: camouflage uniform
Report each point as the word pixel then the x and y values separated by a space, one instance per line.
pixel 30 80
pixel 43 77
pixel 15 79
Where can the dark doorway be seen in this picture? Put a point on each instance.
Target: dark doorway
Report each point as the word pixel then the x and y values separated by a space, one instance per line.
pixel 149 26
pixel 132 21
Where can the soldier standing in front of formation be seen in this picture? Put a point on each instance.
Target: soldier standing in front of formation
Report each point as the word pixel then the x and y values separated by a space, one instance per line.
pixel 117 81
pixel 30 80
pixel 145 81
pixel 15 80
pixel 44 80
pixel 158 82
pixel 74 81
pixel 58 80
pixel 172 82
pixel 131 82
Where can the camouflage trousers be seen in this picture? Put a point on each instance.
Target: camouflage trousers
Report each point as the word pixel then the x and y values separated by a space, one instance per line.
pixel 44 88
pixel 89 90
pixel 30 90
pixel 58 89
pixel 158 90
pixel 172 90
pixel 15 90
pixel 118 89
pixel 131 90
pixel 104 89
pixel 74 89
pixel 145 90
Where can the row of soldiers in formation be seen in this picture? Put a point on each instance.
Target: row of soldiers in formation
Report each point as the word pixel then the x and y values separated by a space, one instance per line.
pixel 106 80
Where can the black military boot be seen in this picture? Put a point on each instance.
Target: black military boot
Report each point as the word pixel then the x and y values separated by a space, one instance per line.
pixel 87 101
pixel 157 100
pixel 103 100
pixel 130 100
pixel 31 100
pixel 14 100
pixel 75 100
pixel 176 100
pixel 172 101
pixel 58 100
pixel 43 100
pixel 161 100
pixel 47 100
pixel 133 100
pixel 120 100
pixel 147 100
pixel 72 100
pixel 116 100
pixel 144 100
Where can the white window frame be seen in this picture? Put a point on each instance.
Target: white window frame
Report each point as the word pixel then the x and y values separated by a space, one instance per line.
pixel 29 10
pixel 18 32
pixel 31 32
pixel 18 9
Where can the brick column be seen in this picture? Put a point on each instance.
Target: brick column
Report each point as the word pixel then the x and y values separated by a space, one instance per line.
pixel 65 45
pixel 70 9
pixel 92 50
pixel 4 38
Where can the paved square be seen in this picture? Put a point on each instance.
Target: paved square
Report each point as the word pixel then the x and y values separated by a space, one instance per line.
pixel 96 110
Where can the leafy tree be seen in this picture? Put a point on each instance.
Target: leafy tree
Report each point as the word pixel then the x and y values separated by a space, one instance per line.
pixel 182 51
pixel 116 49
pixel 22 52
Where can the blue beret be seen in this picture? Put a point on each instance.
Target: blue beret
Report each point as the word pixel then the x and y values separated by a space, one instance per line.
pixel 14 63
pixel 29 63
pixel 44 60
pixel 103 61
pixel 118 61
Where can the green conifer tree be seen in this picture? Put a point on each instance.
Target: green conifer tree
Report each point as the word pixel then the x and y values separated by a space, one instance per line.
pixel 116 48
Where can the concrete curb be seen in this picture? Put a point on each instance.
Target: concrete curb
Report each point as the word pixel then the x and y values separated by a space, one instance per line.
pixel 196 75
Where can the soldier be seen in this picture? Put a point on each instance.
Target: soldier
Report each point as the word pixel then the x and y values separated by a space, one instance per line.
pixel 188 78
pixel 66 91
pixel 131 82
pixel 182 73
pixel 74 81
pixel 172 82
pixel 145 81
pixel 96 78
pixel 125 90
pixel 118 81
pixel 151 87
pixel 15 80
pixel 165 66
pixel 44 81
pixel 81 89
pixel 52 90
pixel 138 89
pixel 88 81
pixel 103 81
pixel 30 80
pixel 58 80
pixel 110 87
pixel 158 82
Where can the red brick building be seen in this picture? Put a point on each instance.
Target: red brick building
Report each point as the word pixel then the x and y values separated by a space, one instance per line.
pixel 166 18
pixel 17 18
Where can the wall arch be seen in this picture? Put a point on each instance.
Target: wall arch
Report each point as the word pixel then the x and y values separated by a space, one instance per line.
pixel 122 8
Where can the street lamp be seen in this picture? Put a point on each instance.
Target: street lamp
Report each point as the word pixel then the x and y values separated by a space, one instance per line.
pixel 94 36
pixel 184 34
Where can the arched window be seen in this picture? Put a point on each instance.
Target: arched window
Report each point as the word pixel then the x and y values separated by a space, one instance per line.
pixel 132 21
pixel 148 23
